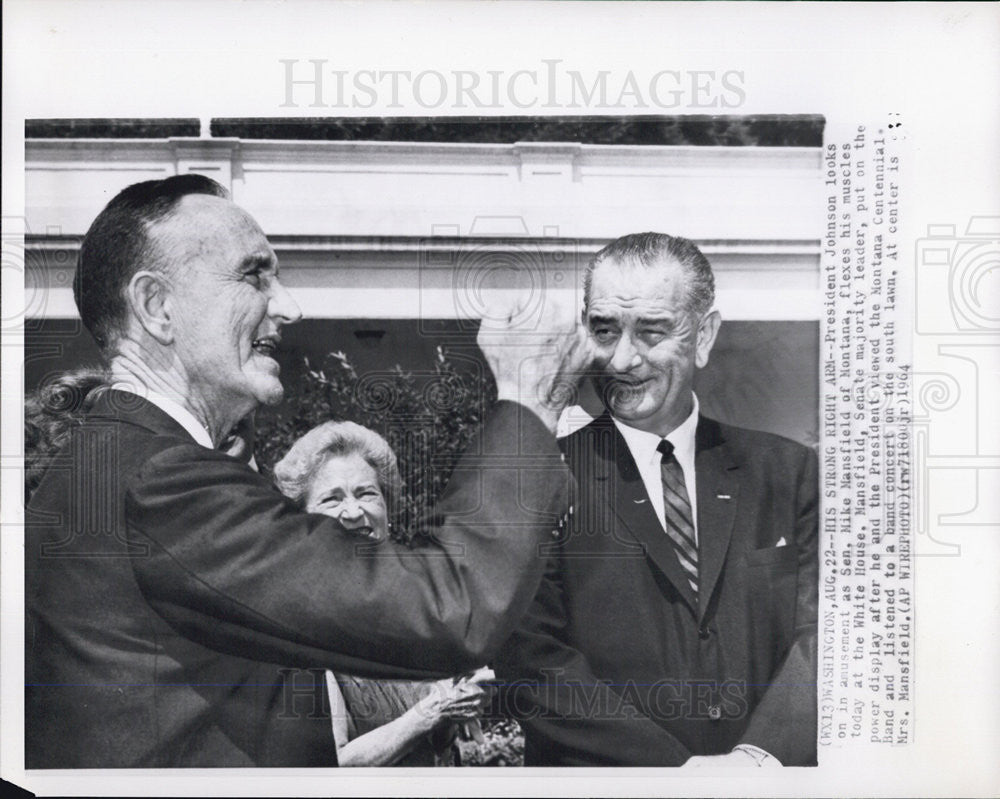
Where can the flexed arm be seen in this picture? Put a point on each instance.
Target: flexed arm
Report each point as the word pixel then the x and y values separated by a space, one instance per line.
pixel 232 564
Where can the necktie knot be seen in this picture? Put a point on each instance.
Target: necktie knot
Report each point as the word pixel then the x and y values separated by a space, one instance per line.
pixel 666 449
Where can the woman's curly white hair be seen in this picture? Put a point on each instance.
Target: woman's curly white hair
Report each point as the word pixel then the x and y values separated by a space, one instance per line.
pixel 294 472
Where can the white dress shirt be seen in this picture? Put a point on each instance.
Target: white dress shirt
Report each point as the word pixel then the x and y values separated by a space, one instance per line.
pixel 643 446
pixel 178 413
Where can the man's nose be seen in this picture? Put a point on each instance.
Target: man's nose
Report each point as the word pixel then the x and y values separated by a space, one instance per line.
pixel 625 356
pixel 281 306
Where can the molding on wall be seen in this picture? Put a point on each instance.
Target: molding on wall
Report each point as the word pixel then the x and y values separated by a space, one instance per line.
pixel 348 218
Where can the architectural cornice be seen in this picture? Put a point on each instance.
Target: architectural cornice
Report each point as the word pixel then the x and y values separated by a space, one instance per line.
pixel 397 229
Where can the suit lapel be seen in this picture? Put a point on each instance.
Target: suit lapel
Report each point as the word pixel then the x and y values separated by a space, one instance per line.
pixel 718 488
pixel 631 504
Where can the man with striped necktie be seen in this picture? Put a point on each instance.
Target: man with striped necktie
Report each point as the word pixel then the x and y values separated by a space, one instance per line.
pixel 676 624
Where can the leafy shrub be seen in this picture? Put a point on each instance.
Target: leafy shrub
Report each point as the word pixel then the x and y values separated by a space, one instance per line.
pixel 428 418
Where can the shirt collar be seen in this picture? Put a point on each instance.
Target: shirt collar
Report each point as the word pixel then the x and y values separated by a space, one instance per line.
pixel 173 409
pixel 643 444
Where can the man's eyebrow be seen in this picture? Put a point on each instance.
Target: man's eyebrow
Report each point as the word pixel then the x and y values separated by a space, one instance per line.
pixel 597 319
pixel 657 320
pixel 259 261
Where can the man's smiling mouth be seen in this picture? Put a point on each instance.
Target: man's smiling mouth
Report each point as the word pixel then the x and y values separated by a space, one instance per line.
pixel 267 345
pixel 625 392
pixel 629 382
pixel 628 386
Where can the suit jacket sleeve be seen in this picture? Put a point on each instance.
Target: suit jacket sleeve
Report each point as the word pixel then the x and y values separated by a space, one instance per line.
pixel 231 563
pixel 578 719
pixel 791 736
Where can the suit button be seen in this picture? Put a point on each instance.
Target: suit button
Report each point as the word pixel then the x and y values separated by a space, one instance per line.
pixel 715 712
pixel 704 633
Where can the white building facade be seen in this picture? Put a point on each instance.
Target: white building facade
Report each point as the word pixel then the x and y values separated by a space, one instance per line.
pixel 409 233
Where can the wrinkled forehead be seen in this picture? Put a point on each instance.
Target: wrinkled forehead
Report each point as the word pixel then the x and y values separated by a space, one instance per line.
pixel 213 229
pixel 662 283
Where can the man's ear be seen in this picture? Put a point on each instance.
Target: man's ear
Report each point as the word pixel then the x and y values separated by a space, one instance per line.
pixel 148 297
pixel 707 331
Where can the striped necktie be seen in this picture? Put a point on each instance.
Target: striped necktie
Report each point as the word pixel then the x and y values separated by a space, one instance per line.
pixel 677 512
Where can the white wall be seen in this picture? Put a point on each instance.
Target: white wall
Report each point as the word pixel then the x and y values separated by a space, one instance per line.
pixel 401 230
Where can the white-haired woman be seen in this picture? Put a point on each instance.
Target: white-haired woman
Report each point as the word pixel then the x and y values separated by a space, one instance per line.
pixel 349 472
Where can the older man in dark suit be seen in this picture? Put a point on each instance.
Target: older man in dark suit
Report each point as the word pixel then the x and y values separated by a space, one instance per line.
pixel 676 623
pixel 176 601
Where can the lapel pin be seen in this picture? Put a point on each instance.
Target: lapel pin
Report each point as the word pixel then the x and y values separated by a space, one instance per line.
pixel 723 496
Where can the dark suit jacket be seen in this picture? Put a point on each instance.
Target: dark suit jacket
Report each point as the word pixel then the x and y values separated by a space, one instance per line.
pixel 620 665
pixel 176 601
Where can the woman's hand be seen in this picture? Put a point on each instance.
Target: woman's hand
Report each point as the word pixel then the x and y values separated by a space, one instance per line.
pixel 455 699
